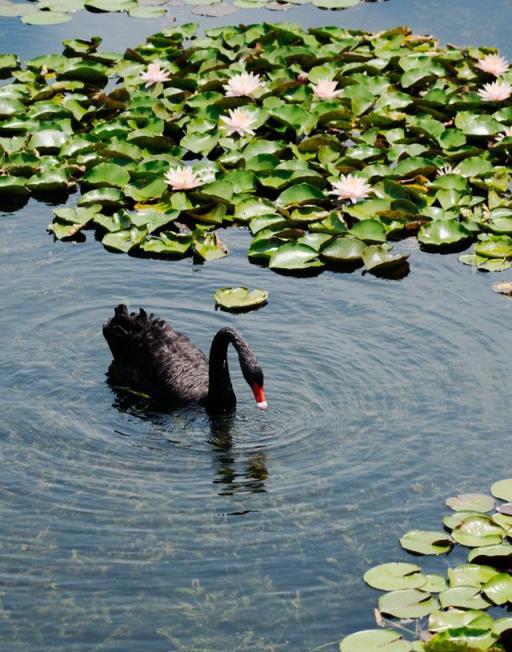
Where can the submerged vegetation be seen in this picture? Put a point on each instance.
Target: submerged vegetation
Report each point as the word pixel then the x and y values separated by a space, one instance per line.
pixel 327 143
pixel 456 604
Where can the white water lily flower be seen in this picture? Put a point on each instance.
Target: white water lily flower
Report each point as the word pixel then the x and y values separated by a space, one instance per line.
pixel 325 89
pixel 244 84
pixel 444 170
pixel 240 121
pixel 350 187
pixel 183 178
pixel 493 64
pixel 496 92
pixel 507 133
pixel 154 74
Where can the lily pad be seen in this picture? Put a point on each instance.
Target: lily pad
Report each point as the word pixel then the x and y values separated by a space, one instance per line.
pixel 477 531
pixel 499 588
pixel 377 258
pixel 395 576
pixel 425 542
pixel 375 640
pixel 471 503
pixel 463 597
pixel 410 603
pixel 45 18
pixel 439 233
pixel 240 298
pixel 294 256
pixel 343 250
pixel 503 489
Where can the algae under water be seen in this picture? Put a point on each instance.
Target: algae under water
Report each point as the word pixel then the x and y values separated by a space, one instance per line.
pixel 124 529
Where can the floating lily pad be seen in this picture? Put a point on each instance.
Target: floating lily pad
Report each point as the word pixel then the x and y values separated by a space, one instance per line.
pixel 498 246
pixel 375 640
pixel 470 575
pixel 410 603
pixel 377 258
pixel 463 597
pixel 477 531
pixel 168 243
pixel 106 175
pixel 503 489
pixel 425 542
pixel 439 233
pixel 294 256
pixel 45 18
pixel 463 640
pixel 491 554
pixel 343 250
pixel 439 621
pixel 471 503
pixel 395 576
pixel 499 588
pixel 240 298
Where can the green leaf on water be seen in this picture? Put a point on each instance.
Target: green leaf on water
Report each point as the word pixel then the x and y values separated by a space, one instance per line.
pixel 240 298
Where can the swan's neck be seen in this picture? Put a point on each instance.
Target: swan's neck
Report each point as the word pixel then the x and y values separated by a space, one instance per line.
pixel 220 390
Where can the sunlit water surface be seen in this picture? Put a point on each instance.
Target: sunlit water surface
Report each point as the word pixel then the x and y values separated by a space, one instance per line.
pixel 128 530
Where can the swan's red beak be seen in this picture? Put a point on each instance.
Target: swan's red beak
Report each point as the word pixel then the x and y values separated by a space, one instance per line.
pixel 259 395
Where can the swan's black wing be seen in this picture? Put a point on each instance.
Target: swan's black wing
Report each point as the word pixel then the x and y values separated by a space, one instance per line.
pixel 150 355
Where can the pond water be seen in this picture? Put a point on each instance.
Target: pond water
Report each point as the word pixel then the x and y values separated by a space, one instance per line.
pixel 124 529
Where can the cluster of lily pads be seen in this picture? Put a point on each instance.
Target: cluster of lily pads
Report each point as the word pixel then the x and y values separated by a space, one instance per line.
pixel 52 12
pixel 456 604
pixel 328 143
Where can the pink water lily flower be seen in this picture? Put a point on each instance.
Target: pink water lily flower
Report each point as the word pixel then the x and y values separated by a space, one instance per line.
pixel 240 121
pixel 350 187
pixel 496 92
pixel 183 178
pixel 493 64
pixel 243 84
pixel 154 74
pixel 325 89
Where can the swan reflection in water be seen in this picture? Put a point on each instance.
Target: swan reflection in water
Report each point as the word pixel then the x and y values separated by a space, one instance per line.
pixel 236 472
pixel 251 478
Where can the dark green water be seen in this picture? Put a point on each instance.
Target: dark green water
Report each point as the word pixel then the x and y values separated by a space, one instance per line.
pixel 125 530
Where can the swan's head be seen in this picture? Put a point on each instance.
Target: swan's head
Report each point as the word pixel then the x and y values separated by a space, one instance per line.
pixel 253 374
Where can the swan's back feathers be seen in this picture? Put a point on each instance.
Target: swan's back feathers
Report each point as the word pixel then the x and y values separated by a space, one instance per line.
pixel 156 358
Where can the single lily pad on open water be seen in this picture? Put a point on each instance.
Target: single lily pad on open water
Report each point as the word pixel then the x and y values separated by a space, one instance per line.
pixel 240 298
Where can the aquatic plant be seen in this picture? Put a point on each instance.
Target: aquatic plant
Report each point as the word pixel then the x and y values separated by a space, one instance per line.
pixel 51 12
pixel 407 145
pixel 448 611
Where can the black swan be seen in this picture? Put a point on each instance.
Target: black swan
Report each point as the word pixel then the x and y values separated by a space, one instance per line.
pixel 151 356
